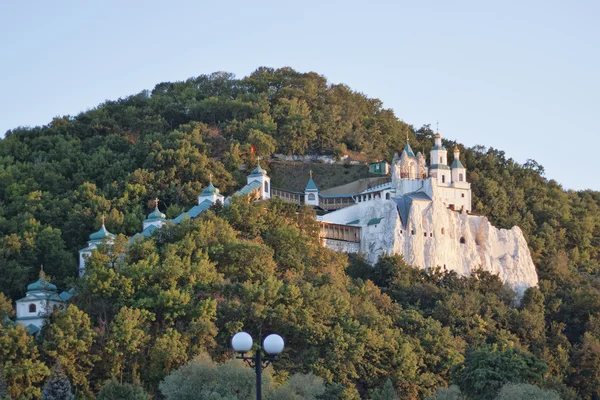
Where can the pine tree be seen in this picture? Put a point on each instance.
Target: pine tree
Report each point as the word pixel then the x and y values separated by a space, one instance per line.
pixel 57 387
pixel 3 387
pixel 387 392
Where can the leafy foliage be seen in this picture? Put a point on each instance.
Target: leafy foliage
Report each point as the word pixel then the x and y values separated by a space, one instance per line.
pixel 143 311
pixel 113 390
pixel 57 387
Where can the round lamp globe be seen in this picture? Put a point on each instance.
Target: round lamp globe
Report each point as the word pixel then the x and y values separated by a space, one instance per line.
pixel 273 344
pixel 241 342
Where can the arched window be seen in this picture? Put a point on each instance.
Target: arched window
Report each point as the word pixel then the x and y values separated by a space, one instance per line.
pixel 311 197
pixel 32 308
pixel 443 178
pixel 266 187
pixel 441 160
pixel 460 177
pixel 443 231
pixel 462 240
pixel 387 196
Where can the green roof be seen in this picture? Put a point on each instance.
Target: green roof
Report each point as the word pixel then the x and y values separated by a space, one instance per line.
pixel 311 185
pixel 409 150
pixel 156 215
pixel 41 285
pixel 439 166
pixel 457 164
pixel 249 188
pixel 258 171
pixel 102 233
pixel 355 222
pixel 210 189
pixel 438 148
pixel 374 221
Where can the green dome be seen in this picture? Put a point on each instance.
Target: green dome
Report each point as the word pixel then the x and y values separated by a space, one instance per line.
pixel 101 234
pixel 258 171
pixel 41 284
pixel 156 214
pixel 210 190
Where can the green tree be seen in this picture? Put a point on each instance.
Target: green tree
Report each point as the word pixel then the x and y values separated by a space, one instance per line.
pixel 114 390
pixel 586 363
pixel 128 338
pixel 299 387
pixel 57 387
pixel 201 378
pixel 524 391
pixel 486 369
pixel 19 362
pixel 450 393
pixel 67 341
pixel 387 392
pixel 3 387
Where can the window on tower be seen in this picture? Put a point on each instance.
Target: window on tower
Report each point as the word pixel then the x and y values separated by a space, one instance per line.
pixel 441 160
pixel 443 178
pixel 460 177
pixel 32 308
pixel 311 197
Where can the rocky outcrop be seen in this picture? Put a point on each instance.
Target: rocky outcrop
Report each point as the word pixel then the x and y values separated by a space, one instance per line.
pixel 435 236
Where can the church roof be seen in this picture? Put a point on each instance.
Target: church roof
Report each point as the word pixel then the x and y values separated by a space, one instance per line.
pixel 311 185
pixel 249 188
pixel 258 171
pixel 210 190
pixel 101 234
pixel 41 285
pixel 439 166
pixel 404 203
pixel 193 212
pixel 156 215
pixel 457 164
pixel 145 233
pixel 409 150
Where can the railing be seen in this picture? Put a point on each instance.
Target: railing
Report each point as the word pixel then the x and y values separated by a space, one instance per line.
pixel 340 232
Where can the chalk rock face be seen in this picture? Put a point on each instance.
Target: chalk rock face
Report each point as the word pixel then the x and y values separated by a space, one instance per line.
pixel 435 236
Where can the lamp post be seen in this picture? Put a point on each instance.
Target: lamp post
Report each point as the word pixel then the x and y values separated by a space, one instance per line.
pixel 272 345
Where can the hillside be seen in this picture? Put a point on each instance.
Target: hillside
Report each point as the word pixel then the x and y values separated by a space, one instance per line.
pixel 185 291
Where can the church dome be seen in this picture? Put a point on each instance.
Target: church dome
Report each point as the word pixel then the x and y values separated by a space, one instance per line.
pixel 102 233
pixel 210 190
pixel 156 214
pixel 258 171
pixel 41 284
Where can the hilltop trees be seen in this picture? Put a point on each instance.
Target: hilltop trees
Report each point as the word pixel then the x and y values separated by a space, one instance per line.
pixel 147 308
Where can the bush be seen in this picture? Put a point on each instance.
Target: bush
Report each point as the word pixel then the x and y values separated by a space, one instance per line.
pixel 299 387
pixel 113 390
pixel 450 393
pixel 523 391
pixel 203 379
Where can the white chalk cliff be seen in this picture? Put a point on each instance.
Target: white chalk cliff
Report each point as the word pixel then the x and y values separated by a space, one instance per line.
pixel 423 214
pixel 432 238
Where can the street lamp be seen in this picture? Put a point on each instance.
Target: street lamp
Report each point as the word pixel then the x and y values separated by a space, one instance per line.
pixel 272 345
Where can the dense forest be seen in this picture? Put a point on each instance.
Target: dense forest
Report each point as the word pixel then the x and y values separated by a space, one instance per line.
pixel 149 316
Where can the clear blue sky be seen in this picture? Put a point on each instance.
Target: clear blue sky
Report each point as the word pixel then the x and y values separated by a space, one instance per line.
pixel 520 76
